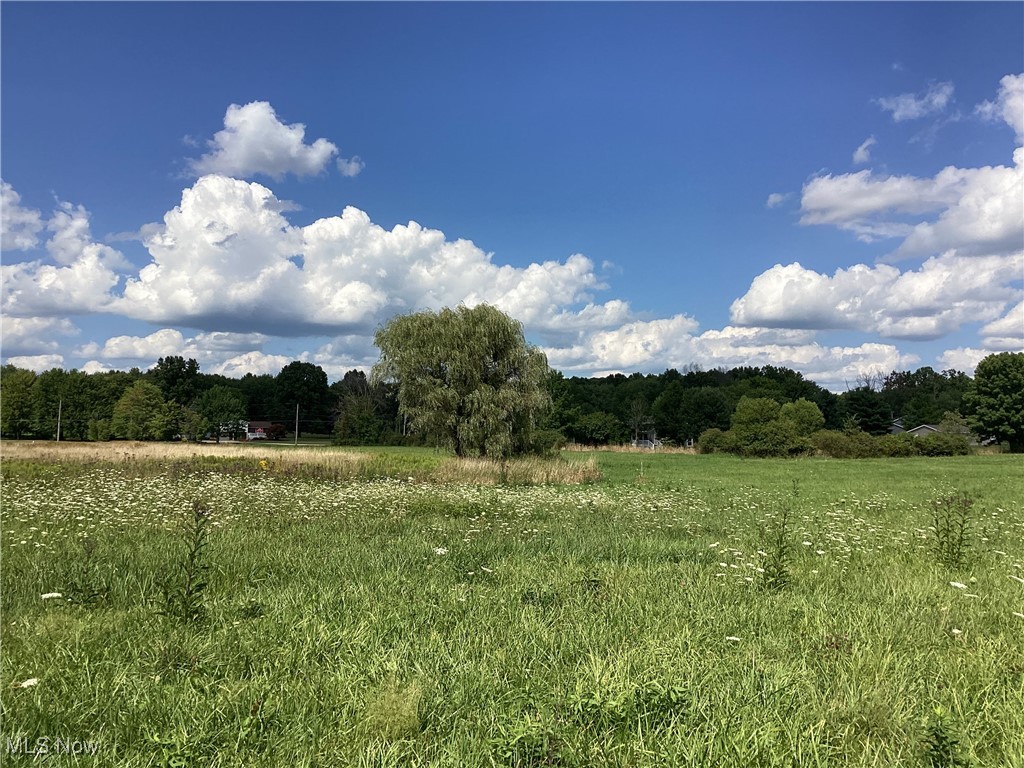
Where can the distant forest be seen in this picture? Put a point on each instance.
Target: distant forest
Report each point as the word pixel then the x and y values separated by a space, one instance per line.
pixel 175 398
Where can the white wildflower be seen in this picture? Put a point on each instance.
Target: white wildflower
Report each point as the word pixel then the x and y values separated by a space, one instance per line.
pixel 29 683
pixel 440 550
pixel 958 585
pixel 52 596
pixel 732 639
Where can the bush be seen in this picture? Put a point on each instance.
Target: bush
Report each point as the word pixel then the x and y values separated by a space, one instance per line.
pixel 547 442
pixel 898 446
pixel 943 444
pixel 845 445
pixel 715 440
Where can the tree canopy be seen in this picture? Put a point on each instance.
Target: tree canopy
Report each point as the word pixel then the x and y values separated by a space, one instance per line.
pixel 995 403
pixel 466 378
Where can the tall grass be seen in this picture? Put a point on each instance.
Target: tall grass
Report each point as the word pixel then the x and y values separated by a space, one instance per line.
pixel 612 623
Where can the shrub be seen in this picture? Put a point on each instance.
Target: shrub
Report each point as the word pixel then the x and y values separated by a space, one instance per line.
pixel 715 440
pixel 943 444
pixel 898 446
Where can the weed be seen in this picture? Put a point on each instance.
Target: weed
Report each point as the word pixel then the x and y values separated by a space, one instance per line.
pixel 528 743
pixel 88 586
pixel 778 550
pixel 940 745
pixel 184 600
pixel 951 526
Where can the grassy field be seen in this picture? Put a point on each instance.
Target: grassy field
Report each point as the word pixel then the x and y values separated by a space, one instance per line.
pixel 256 607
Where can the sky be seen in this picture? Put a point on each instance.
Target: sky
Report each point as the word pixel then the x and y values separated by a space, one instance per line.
pixel 830 187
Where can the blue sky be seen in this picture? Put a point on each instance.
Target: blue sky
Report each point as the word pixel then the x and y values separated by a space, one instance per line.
pixel 835 188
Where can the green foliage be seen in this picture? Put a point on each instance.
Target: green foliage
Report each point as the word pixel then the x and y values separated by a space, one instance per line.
pixel 777 546
pixel 868 410
pixel 393 711
pixel 466 377
pixel 803 416
pixel 183 597
pixel 16 401
pixel 140 414
pixel 951 529
pixel 940 745
pixel 995 403
pixel 715 440
pixel 305 385
pixel 222 408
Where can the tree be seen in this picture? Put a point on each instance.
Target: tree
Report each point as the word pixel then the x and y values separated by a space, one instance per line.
pixel 177 378
pixel 466 378
pixel 804 416
pixel 305 385
pixel 868 410
pixel 16 401
pixel 139 413
pixel 223 408
pixel 995 404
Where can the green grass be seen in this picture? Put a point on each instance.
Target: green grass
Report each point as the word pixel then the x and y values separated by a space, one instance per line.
pixel 621 623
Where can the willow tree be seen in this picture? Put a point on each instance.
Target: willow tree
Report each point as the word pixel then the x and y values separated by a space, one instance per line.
pixel 466 378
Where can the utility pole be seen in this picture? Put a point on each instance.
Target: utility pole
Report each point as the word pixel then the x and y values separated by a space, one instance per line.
pixel 296 423
pixel 60 407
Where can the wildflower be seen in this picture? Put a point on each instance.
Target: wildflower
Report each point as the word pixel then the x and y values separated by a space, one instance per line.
pixel 732 639
pixel 52 595
pixel 28 683
pixel 956 632
pixel 440 550
pixel 958 585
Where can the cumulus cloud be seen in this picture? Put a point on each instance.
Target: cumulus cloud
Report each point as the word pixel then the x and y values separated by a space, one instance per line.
pixel 963 359
pixel 945 293
pixel 19 227
pixel 226 258
pixel 658 344
pixel 351 166
pixel 911 106
pixel 254 362
pixel 72 239
pixel 1008 105
pixel 36 289
pixel 972 210
pixel 775 199
pixel 1007 333
pixel 862 154
pixel 37 363
pixel 254 141
pixel 34 335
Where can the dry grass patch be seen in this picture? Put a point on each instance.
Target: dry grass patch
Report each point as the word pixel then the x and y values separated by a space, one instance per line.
pixel 159 453
pixel 528 471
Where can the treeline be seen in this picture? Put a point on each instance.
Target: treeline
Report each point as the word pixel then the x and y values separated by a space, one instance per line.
pixel 678 407
pixel 176 399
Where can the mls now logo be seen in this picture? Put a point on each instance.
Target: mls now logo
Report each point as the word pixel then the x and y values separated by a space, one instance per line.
pixel 45 745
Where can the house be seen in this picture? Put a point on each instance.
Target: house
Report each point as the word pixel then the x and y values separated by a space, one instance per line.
pixel 923 431
pixel 257 430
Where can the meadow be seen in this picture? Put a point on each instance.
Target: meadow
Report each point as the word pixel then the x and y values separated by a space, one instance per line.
pixel 269 606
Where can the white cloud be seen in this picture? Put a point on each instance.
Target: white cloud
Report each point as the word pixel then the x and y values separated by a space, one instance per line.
pixel 1008 106
pixel 162 343
pixel 19 227
pixel 256 363
pixel 910 106
pixel 254 141
pixel 351 166
pixel 945 293
pixel 37 363
pixel 775 199
pixel 863 153
pixel 973 210
pixel 72 240
pixel 1007 333
pixel 658 344
pixel 227 259
pixel 963 359
pixel 33 335
pixel 33 288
